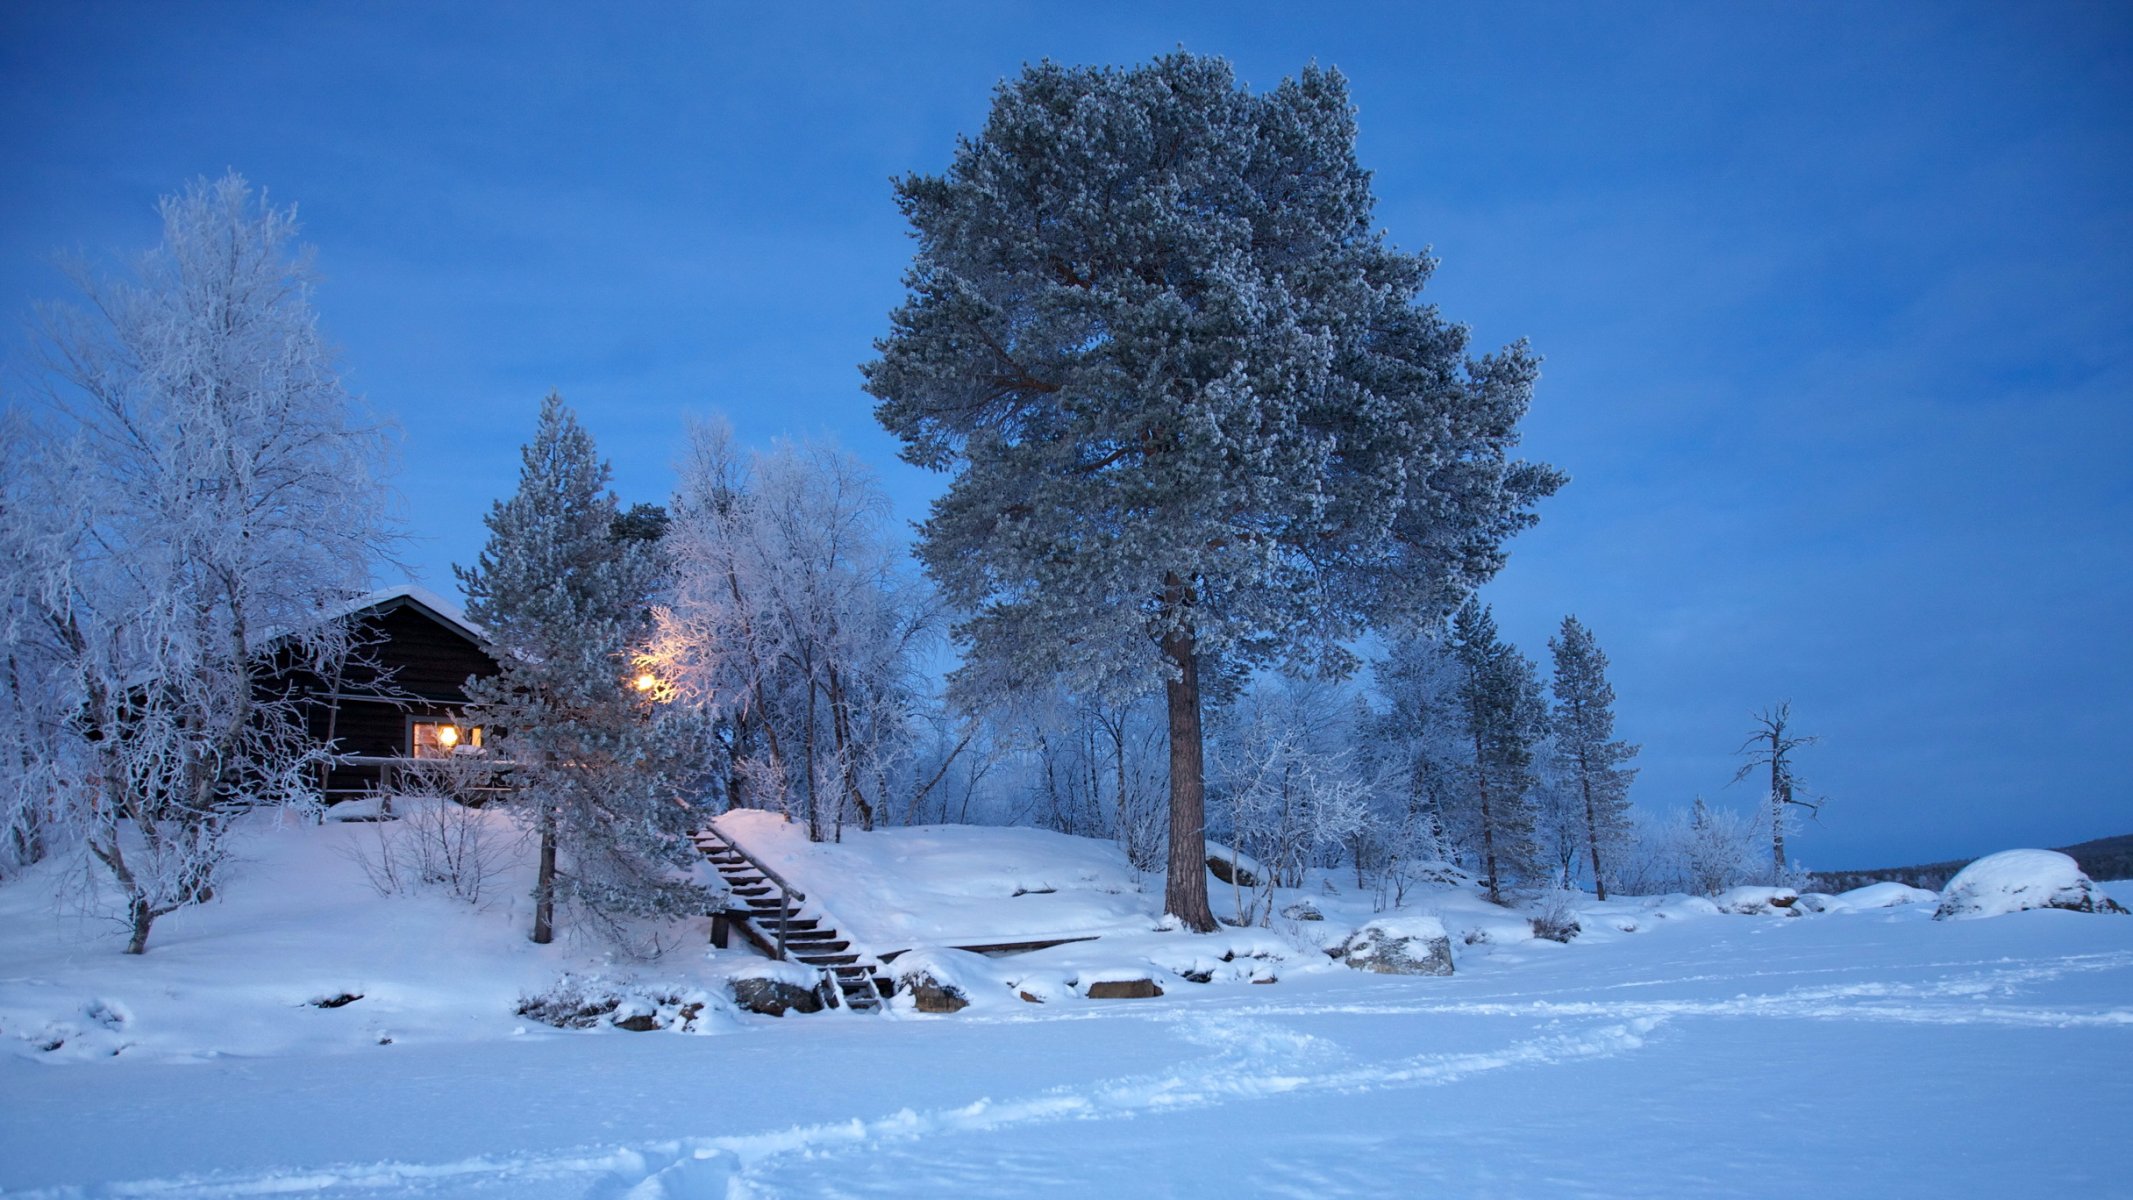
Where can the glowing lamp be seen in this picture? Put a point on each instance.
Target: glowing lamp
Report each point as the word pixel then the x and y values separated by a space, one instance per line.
pixel 646 681
pixel 448 736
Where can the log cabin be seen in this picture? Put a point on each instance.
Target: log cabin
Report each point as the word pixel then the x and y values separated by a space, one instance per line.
pixel 401 700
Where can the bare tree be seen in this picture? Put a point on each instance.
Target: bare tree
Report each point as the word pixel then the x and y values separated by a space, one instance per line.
pixel 217 501
pixel 1771 745
pixel 791 623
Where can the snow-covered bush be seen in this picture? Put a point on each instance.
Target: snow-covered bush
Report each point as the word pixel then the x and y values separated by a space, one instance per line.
pixel 1702 851
pixel 2015 880
pixel 594 1001
pixel 436 843
pixel 1555 916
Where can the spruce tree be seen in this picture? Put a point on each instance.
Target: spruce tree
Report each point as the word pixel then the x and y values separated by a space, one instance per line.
pixel 1500 692
pixel 605 773
pixel 1196 418
pixel 1588 759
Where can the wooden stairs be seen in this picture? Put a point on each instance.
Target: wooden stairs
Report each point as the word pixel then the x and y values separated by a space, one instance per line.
pixel 768 912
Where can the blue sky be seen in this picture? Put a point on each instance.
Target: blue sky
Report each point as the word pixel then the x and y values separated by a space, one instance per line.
pixel 1833 301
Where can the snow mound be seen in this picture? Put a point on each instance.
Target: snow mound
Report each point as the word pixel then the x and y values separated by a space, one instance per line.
pixel 1881 895
pixel 2015 880
pixel 1759 901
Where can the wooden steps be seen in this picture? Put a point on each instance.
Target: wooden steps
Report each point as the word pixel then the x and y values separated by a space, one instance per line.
pixel 767 912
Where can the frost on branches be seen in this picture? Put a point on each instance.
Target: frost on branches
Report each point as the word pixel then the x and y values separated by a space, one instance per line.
pixel 1193 410
pixel 201 490
pixel 608 776
pixel 788 623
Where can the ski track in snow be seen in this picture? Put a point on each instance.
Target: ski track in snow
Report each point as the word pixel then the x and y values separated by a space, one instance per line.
pixel 721 1166
pixel 1251 1055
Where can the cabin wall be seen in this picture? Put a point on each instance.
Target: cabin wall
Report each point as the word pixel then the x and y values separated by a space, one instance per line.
pixel 404 654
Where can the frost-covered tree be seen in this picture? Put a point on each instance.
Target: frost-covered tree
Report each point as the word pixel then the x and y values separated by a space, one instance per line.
pixel 1713 848
pixel 1290 792
pixel 1196 418
pixel 608 776
pixel 1499 691
pixel 1417 744
pixel 1588 760
pixel 790 624
pixel 207 491
pixel 38 753
pixel 1771 745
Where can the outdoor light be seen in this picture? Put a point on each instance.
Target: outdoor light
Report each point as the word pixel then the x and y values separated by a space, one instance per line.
pixel 646 681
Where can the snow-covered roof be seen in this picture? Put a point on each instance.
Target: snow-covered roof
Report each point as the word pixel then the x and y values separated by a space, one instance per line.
pixel 391 597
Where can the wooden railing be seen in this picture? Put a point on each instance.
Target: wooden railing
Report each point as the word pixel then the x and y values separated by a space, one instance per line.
pixel 788 895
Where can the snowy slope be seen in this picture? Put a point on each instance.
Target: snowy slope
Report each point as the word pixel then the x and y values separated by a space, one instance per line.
pixel 954 885
pixel 1668 1051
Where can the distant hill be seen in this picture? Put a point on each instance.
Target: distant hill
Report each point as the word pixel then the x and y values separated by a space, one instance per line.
pixel 2104 858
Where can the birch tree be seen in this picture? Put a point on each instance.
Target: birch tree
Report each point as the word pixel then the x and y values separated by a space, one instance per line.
pixel 211 495
pixel 790 623
pixel 1194 416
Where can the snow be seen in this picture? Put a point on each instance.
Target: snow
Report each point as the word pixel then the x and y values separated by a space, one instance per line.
pixel 953 885
pixel 1759 901
pixel 1670 1050
pixel 2016 880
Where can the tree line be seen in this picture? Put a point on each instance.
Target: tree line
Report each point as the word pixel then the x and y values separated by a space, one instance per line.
pixel 1200 437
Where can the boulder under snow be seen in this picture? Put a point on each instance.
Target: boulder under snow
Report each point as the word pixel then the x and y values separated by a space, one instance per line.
pixel 1413 945
pixel 2014 880
pixel 1755 901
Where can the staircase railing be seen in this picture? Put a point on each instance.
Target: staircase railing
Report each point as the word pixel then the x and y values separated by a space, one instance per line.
pixel 787 893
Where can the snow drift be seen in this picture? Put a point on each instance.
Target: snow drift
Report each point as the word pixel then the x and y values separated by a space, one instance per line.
pixel 2014 880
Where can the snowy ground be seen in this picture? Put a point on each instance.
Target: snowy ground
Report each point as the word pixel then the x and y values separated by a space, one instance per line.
pixel 1872 1052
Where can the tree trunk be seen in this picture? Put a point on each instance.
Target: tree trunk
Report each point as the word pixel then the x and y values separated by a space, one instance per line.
pixel 1185 891
pixel 1777 814
pixel 544 884
pixel 1592 825
pixel 1488 823
pixel 141 916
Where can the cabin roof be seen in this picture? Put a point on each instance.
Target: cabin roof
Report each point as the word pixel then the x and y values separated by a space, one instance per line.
pixel 421 599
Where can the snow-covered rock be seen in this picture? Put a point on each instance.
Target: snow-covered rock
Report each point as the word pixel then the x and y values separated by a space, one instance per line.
pixel 1303 910
pixel 941 980
pixel 1410 945
pixel 1120 986
pixel 2014 880
pixel 1231 867
pixel 773 988
pixel 1759 901
pixel 1881 895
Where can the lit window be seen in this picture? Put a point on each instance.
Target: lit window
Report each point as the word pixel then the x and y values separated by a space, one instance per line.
pixel 442 739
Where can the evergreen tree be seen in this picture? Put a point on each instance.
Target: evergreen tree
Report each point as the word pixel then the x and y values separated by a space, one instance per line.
pixel 1500 692
pixel 1588 759
pixel 606 773
pixel 1196 417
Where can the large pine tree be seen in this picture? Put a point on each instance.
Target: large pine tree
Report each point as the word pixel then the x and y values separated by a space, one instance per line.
pixel 1195 414
pixel 606 774
pixel 1588 759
